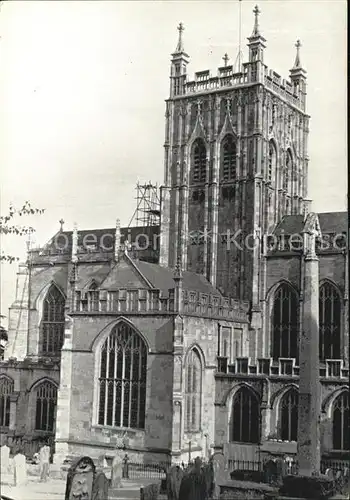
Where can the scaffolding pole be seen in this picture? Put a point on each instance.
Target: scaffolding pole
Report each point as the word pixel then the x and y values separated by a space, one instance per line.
pixel 147 212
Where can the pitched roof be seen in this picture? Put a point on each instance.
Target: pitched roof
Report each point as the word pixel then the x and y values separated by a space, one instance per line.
pixel 162 278
pixel 330 222
pixel 333 222
pixel 159 277
pixel 103 238
pixel 290 224
pixel 101 243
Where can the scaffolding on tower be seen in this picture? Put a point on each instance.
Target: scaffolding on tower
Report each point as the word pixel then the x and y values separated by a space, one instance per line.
pixel 147 212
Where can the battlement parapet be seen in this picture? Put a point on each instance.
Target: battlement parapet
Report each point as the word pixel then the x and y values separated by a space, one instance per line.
pixel 144 301
pixel 226 78
pixel 211 305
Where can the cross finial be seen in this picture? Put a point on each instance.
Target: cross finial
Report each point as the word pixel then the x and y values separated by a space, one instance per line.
pixel 61 221
pixel 297 57
pixel 226 59
pixel 180 47
pixel 256 12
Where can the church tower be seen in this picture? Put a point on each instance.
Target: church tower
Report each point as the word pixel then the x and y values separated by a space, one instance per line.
pixel 235 163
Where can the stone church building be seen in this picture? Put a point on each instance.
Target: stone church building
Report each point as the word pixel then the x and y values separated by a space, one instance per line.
pixel 183 337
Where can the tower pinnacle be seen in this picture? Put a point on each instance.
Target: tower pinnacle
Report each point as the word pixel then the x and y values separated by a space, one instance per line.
pixel 179 63
pixel 256 40
pixel 226 59
pixel 297 63
pixel 256 31
pixel 180 46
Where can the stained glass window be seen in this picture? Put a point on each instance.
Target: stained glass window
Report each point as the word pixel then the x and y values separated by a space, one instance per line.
pixel 289 416
pixel 341 422
pixel 46 402
pixel 122 380
pixel 193 391
pixel 52 325
pixel 329 322
pixel 245 421
pixel 6 389
pixel 285 323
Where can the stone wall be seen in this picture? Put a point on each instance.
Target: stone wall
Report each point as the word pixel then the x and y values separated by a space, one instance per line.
pixel 77 424
pixel 270 391
pixel 26 376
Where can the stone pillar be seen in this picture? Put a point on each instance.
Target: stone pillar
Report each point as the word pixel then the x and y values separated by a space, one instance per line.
pixel 64 396
pixel 176 437
pixel 174 245
pixel 178 288
pixel 345 339
pixel 164 226
pixel 184 225
pixel 206 221
pixel 309 455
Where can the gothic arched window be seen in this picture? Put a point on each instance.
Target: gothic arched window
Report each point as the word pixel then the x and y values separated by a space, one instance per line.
pixel 245 417
pixel 199 162
pixel 52 325
pixel 228 159
pixel 341 422
pixel 92 296
pixel 329 322
pixel 46 402
pixel 271 168
pixel 193 391
pixel 289 415
pixel 6 389
pixel 285 314
pixel 122 379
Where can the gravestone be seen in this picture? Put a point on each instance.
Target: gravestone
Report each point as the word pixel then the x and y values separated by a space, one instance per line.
pixel 44 460
pixel 270 471
pixel 102 462
pixel 281 468
pixel 5 459
pixel 117 472
pixel 193 486
pixel 338 475
pixel 329 473
pixel 126 467
pixel 219 473
pixel 173 482
pixel 289 464
pixel 80 479
pixel 100 487
pixel 208 472
pixel 19 470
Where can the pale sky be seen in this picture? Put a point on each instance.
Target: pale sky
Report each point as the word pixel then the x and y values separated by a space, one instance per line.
pixel 82 95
